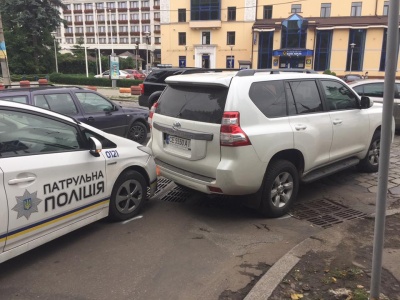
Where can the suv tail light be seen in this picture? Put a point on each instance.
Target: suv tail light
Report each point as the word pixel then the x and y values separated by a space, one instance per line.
pixel 231 133
pixel 141 85
pixel 151 113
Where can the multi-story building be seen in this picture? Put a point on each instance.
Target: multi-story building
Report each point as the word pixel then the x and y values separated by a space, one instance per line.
pixel 342 36
pixel 113 25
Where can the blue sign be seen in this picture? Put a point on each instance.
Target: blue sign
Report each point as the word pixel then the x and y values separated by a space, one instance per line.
pixel 293 52
pixel 3 53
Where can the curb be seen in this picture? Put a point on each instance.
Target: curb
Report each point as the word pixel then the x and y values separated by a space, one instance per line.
pixel 264 288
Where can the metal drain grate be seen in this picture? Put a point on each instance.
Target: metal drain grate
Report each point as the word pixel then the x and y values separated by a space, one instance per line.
pixel 162 182
pixel 177 195
pixel 324 213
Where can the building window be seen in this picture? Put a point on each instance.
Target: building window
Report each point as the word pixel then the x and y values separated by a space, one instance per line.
pixel 356 55
pixel 68 18
pixel 205 10
pixel 356 9
pixel 294 33
pixel 77 7
pixel 182 38
pixel 325 10
pixel 157 28
pixel 78 18
pixel 79 29
pixel 205 38
pixel 386 8
pixel 110 4
pixel 145 16
pixel 296 8
pixel 69 40
pixel 69 30
pixel 323 50
pixel 112 40
pixel 99 5
pixel 122 5
pixel 134 4
pixel 230 38
pixel 267 11
pixel 146 40
pixel 265 50
pixel 112 17
pixel 88 6
pixel 112 28
pixel 135 28
pixel 156 2
pixel 102 40
pixel 134 16
pixel 90 41
pixel 231 13
pixel 157 40
pixel 68 6
pixel 123 28
pixel 145 3
pixel 123 40
pixel 145 28
pixel 156 15
pixel 135 40
pixel 90 29
pixel 101 18
pixel 230 62
pixel 89 18
pixel 102 28
pixel 182 61
pixel 182 15
pixel 122 17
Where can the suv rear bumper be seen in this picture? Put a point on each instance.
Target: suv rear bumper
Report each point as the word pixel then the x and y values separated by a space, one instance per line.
pixel 233 176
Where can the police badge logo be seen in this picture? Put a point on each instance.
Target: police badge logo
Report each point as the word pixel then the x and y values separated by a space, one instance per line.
pixel 26 204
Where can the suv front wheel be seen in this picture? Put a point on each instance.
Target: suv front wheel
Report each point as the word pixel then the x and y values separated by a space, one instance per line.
pixel 279 189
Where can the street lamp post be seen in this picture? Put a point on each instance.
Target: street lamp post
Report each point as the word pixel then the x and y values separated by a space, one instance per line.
pixel 351 55
pixel 147 51
pixel 113 81
pixel 55 49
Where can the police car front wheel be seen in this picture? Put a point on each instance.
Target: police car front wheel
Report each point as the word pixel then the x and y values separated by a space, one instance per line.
pixel 128 196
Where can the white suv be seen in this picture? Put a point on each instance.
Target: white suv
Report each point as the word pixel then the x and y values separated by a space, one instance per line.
pixel 260 133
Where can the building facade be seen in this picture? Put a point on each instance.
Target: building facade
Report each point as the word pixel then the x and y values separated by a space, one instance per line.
pixel 342 36
pixel 113 26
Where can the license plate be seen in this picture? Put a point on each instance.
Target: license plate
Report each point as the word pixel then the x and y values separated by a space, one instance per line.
pixel 177 142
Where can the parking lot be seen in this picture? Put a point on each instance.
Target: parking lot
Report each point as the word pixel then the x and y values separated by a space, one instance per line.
pixel 186 245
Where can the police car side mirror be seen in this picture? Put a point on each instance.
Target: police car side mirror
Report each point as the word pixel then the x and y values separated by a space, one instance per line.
pixel 95 146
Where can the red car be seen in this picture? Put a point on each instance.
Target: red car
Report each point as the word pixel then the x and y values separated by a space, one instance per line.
pixel 136 74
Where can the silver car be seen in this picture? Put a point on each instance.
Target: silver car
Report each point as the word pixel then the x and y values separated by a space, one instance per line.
pixel 373 88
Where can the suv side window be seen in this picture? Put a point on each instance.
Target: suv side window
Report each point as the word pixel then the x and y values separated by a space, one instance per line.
pixel 338 96
pixel 27 134
pixel 61 103
pixel 93 103
pixel 19 99
pixel 269 97
pixel 373 90
pixel 303 97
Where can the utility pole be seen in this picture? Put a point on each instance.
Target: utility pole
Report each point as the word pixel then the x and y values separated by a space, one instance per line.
pixel 3 61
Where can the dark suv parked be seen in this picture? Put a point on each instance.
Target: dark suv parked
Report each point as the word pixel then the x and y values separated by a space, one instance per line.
pixel 154 83
pixel 86 106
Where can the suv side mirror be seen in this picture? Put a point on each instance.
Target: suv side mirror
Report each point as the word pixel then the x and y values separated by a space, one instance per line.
pixel 95 146
pixel 366 102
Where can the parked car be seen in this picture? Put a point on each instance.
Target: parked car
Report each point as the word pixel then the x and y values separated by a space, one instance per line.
pixel 86 106
pixel 136 74
pixel 122 75
pixel 352 77
pixel 60 174
pixel 261 133
pixel 373 88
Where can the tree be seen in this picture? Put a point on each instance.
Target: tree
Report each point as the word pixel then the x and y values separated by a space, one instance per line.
pixel 28 25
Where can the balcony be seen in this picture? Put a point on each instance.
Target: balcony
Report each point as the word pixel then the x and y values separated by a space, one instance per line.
pixel 145 21
pixel 124 9
pixel 157 19
pixel 135 33
pixel 113 22
pixel 88 11
pixel 67 12
pixel 145 8
pixel 123 21
pixel 157 31
pixel 78 33
pixel 157 7
pixel 157 43
pixel 205 24
pixel 123 33
pixel 134 9
pixel 89 33
pixel 101 22
pixel 89 22
pixel 78 23
pixel 111 9
pixel 134 21
pixel 102 33
pixel 100 10
pixel 77 11
pixel 69 22
pixel 69 34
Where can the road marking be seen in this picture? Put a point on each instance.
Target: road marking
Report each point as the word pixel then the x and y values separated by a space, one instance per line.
pixel 135 218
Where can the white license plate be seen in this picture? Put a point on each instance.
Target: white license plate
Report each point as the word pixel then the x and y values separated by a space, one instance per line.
pixel 177 142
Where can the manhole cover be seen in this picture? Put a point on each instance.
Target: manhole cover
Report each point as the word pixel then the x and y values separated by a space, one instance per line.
pixel 324 213
pixel 178 195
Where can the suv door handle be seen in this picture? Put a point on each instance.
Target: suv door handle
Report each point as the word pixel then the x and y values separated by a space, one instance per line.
pixel 21 180
pixel 337 122
pixel 300 127
pixel 90 119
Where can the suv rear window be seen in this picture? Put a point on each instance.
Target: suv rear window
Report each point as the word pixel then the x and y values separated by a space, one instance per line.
pixel 269 97
pixel 196 103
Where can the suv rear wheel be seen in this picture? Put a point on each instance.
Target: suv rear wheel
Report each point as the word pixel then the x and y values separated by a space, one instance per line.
pixel 370 163
pixel 279 189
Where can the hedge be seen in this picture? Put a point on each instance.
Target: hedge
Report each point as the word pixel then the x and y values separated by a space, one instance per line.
pixel 30 77
pixel 83 80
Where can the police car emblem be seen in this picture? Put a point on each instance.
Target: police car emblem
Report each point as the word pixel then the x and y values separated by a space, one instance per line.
pixel 26 204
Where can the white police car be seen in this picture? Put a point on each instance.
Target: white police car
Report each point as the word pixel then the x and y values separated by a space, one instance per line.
pixel 58 174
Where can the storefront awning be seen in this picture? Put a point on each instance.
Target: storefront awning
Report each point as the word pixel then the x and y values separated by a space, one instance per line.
pixel 293 52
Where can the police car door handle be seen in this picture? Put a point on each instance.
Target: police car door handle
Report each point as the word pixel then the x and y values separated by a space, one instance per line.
pixel 21 180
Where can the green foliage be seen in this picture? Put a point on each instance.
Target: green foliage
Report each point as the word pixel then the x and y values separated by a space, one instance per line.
pixel 30 77
pixel 329 72
pixel 27 29
pixel 76 79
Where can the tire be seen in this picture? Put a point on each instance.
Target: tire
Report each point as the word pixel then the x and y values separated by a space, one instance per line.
pixel 137 132
pixel 370 164
pixel 128 196
pixel 279 189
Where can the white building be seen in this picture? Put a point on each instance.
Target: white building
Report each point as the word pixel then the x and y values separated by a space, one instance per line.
pixel 117 25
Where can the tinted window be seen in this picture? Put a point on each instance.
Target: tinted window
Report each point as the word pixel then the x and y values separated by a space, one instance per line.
pixel 19 99
pixel 106 143
pixel 93 103
pixel 204 104
pixel 269 97
pixel 373 90
pixel 338 96
pixel 160 75
pixel 306 96
pixel 61 103
pixel 26 134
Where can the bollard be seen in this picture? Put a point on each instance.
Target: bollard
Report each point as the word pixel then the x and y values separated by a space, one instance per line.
pixel 124 90
pixel 135 90
pixel 91 87
pixel 24 83
pixel 43 81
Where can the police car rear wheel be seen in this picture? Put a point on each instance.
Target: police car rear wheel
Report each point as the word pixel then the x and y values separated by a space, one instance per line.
pixel 128 196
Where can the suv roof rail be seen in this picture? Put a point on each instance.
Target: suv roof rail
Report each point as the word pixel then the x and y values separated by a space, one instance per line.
pixel 251 72
pixel 37 86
